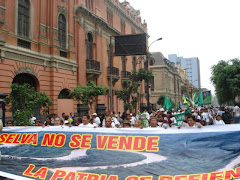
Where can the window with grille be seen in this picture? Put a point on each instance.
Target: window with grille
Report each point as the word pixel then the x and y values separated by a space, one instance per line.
pixel 23 18
pixel 133 31
pixel 123 26
pixel 110 16
pixel 89 46
pixel 152 84
pixel 134 62
pixel 62 31
pixel 123 63
pixel 89 4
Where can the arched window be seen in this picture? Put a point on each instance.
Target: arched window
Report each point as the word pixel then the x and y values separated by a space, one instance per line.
pixel 62 30
pixel 23 18
pixel 89 46
pixel 64 94
pixel 25 78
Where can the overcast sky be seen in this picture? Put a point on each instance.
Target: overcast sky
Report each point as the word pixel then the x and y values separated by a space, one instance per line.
pixel 207 29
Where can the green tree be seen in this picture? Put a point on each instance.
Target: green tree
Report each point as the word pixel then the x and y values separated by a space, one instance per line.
pixel 128 90
pixel 226 79
pixel 160 100
pixel 22 101
pixel 128 93
pixel 88 94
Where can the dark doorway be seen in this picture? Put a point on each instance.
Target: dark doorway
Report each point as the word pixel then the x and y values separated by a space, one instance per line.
pixel 25 78
pixel 29 79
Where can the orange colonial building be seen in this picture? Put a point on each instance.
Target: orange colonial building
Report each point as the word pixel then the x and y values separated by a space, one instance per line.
pixel 56 44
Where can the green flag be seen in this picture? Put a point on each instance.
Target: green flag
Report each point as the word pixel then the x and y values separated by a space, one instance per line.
pixel 167 103
pixel 195 98
pixel 200 99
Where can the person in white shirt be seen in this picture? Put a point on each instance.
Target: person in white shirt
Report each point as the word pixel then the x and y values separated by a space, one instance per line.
pixel 190 123
pixel 133 119
pixel 218 121
pixel 32 119
pixel 115 122
pixel 146 114
pixel 236 113
pixel 169 120
pixel 108 122
pixel 85 122
pixel 153 123
pixel 96 119
pixel 207 117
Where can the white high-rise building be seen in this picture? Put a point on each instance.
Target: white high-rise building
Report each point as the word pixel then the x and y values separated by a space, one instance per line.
pixel 191 65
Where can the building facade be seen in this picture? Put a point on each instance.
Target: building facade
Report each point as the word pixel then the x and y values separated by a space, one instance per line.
pixel 55 44
pixel 168 79
pixel 192 66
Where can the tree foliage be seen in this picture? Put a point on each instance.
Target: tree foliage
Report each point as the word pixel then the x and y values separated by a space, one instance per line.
pixel 128 93
pixel 160 100
pixel 226 79
pixel 88 94
pixel 22 101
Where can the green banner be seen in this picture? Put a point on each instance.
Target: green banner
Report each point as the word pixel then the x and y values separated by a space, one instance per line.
pixel 207 98
pixel 180 118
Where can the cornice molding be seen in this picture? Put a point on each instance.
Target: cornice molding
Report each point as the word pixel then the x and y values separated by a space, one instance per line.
pixel 123 14
pixel 82 15
pixel 28 56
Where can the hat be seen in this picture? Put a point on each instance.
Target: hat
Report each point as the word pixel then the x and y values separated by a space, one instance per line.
pixel 66 122
pixel 161 109
pixel 94 114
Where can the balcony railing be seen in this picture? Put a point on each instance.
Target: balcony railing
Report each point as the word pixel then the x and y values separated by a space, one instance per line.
pixel 115 71
pixel 93 69
pixel 126 75
pixel 93 65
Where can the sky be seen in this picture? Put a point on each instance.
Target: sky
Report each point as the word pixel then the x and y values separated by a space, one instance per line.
pixel 207 29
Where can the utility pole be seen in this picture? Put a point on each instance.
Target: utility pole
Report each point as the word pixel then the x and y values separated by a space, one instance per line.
pixel 111 64
pixel 147 68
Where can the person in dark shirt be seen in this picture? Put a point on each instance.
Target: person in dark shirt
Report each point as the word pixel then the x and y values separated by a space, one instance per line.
pixel 75 121
pixel 48 121
pixel 227 117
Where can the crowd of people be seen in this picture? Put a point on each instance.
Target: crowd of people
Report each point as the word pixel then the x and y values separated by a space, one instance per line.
pixel 195 117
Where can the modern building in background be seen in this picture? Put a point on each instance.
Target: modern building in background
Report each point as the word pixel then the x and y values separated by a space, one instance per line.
pixel 192 66
pixel 54 45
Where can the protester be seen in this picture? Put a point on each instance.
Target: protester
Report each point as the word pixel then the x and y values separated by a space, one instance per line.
pixel 133 119
pixel 115 122
pixel 10 123
pixel 67 123
pixel 48 121
pixel 75 121
pixel 190 123
pixel 63 117
pixel 227 117
pixel 38 122
pixel 108 122
pixel 153 123
pixel 96 119
pixel 206 116
pixel 160 119
pixel 137 124
pixel 126 123
pixel 218 121
pixel 32 119
pixel 236 114
pixel 169 120
pixel 57 121
pixel 85 122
